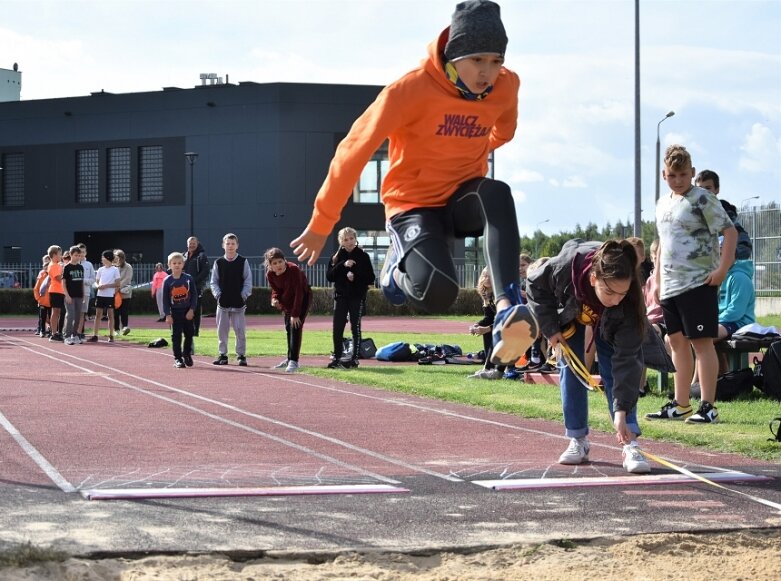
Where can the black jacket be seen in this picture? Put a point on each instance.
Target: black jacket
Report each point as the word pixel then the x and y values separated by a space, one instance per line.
pixel 551 295
pixel 362 269
pixel 197 266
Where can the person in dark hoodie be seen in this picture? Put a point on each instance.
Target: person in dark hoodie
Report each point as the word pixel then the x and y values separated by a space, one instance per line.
pixel 442 120
pixel 196 264
pixel 352 272
pixel 595 284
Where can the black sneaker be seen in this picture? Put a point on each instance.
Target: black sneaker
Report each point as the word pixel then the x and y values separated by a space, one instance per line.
pixel 671 411
pixel 547 368
pixel 336 364
pixel 242 361
pixel 57 337
pixel 350 363
pixel 178 363
pixel 188 360
pixel 706 414
pixel 221 360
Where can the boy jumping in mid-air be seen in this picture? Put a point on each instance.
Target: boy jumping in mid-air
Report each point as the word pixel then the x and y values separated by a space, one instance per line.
pixel 442 120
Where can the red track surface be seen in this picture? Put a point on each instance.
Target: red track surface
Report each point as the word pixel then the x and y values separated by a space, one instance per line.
pixel 120 416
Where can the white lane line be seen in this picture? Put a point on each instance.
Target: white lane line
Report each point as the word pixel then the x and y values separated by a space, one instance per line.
pixel 141 493
pixel 639 479
pixel 36 456
pixel 387 459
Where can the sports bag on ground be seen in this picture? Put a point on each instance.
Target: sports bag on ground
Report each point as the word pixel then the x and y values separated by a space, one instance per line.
pixel 367 350
pixel 398 351
pixel 768 375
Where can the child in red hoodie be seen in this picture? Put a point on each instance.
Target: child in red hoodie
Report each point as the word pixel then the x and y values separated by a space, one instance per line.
pixel 290 293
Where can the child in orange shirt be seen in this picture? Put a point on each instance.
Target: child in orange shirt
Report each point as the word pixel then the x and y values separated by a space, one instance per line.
pixel 56 292
pixel 442 121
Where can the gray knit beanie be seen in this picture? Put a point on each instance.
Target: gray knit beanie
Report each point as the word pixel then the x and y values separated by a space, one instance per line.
pixel 476 28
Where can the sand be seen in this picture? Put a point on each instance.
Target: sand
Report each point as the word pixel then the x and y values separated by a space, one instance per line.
pixel 748 555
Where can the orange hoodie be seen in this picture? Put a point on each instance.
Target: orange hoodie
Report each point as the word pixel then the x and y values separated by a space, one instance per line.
pixel 437 140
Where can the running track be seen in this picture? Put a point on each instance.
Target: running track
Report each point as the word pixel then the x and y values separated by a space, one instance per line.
pixel 117 419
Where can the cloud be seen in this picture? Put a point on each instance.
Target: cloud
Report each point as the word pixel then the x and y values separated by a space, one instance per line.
pixel 761 150
pixel 574 182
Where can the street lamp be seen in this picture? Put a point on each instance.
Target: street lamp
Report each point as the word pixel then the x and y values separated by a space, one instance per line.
pixel 658 161
pixel 743 202
pixel 535 235
pixel 191 157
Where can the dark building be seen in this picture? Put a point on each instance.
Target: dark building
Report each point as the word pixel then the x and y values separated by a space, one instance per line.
pixel 110 170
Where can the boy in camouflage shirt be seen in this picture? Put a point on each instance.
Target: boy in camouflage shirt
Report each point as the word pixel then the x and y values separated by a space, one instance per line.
pixel 689 220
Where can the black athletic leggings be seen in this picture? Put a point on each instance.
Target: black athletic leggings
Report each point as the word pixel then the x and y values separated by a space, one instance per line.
pixel 480 206
pixel 342 307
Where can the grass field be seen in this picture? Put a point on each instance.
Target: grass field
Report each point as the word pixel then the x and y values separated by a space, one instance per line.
pixel 743 427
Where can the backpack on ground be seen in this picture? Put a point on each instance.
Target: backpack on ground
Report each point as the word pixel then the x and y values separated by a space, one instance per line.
pixel 767 375
pixel 775 429
pixel 398 351
pixel 367 349
pixel 732 384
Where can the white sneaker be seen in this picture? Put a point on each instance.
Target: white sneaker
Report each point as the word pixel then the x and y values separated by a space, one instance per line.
pixel 125 330
pixel 486 374
pixel 634 461
pixel 69 341
pixel 292 367
pixel 280 365
pixel 576 452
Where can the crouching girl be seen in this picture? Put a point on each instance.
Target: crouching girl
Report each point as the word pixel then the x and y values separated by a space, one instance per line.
pixel 595 284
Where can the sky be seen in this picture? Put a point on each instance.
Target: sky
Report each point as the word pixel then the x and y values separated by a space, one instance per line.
pixel 715 63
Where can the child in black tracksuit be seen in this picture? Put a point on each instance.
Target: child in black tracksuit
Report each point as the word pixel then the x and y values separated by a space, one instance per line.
pixel 352 272
pixel 180 297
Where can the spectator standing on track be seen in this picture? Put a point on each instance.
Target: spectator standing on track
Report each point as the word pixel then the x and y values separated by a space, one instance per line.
pixel 689 220
pixel 44 306
pixel 231 285
pixel 595 284
pixel 351 272
pixel 442 121
pixel 56 292
pixel 126 290
pixel 73 286
pixel 157 288
pixel 179 301
pixel 290 293
pixel 196 264
pixel 89 281
pixel 106 283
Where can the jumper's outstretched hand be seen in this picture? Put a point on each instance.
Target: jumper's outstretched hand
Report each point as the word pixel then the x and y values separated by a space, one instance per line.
pixel 308 246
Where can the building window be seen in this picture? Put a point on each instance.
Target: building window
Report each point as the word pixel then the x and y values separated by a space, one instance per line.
pixel 367 190
pixel 119 175
pixel 150 173
pixel 87 191
pixel 13 179
pixel 374 243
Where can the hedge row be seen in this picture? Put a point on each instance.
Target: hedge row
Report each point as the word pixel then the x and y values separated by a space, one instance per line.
pixel 21 302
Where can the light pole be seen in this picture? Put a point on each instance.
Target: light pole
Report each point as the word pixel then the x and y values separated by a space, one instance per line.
pixel 743 202
pixel 535 235
pixel 658 153
pixel 191 157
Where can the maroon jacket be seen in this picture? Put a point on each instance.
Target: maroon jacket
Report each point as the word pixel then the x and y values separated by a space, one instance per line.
pixel 290 289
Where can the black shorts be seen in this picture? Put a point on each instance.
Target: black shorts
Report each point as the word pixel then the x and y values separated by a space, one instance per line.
pixel 695 313
pixel 57 300
pixel 104 302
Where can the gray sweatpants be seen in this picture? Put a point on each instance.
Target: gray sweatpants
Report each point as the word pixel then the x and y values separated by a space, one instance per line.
pixel 73 311
pixel 227 318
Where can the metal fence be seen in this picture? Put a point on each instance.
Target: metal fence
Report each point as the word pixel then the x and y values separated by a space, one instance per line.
pixel 763 225
pixel 24 275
